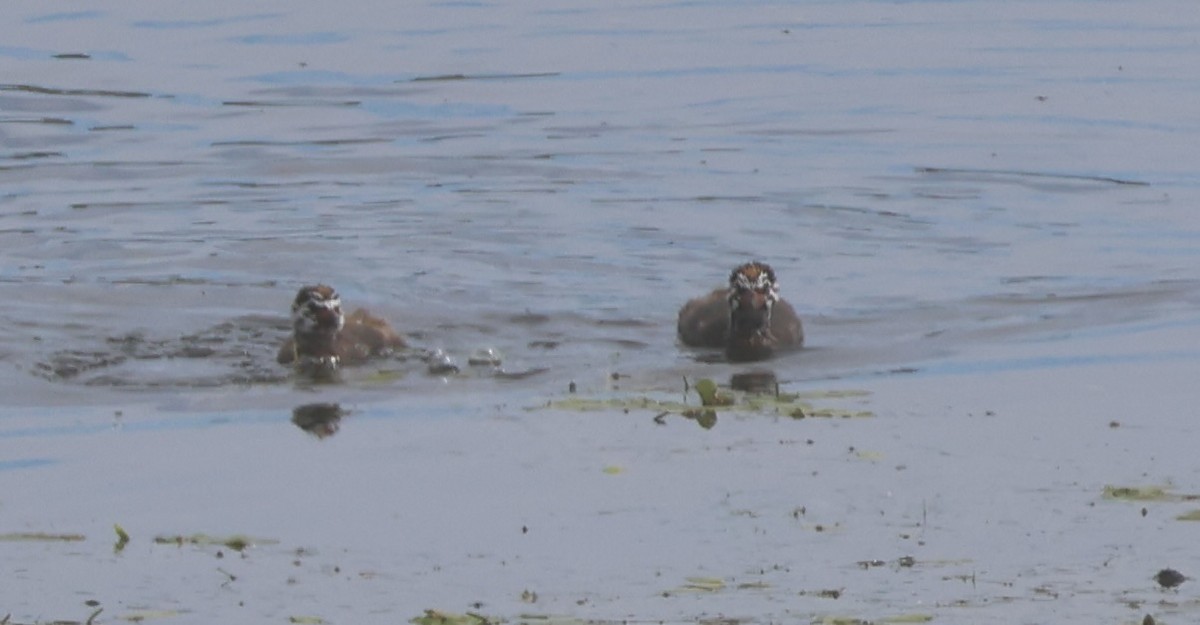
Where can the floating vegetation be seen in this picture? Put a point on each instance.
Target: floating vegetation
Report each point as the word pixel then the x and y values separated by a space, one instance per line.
pixel 907 618
pixel 236 542
pixel 16 537
pixel 437 617
pixel 1145 493
pixel 704 398
pixel 122 538
pixel 707 418
pixel 710 395
pixel 702 584
pixel 587 404
pixel 1191 515
pixel 869 456
pixel 840 620
pixel 306 620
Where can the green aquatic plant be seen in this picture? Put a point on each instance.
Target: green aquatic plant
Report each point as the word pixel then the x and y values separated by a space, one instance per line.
pixel 235 542
pixel 907 618
pixel 709 398
pixel 1145 493
pixel 122 538
pixel 710 395
pixel 698 584
pixel 438 617
pixel 41 537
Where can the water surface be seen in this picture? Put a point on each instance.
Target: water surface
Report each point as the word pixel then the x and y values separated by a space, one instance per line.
pixel 984 211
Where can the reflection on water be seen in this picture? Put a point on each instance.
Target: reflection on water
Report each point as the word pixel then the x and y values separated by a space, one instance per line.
pixel 322 420
pixel 758 381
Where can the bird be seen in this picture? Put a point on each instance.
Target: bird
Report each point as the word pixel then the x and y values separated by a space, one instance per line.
pixel 323 339
pixel 748 319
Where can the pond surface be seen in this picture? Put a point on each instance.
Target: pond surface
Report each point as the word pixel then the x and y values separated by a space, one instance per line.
pixel 985 213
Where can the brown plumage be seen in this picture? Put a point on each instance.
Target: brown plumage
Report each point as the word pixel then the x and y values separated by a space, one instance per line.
pixel 323 339
pixel 748 318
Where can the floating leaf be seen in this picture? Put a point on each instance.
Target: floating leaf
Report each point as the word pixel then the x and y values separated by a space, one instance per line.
pixel 1193 515
pixel 306 620
pixel 122 538
pixel 703 584
pixel 612 470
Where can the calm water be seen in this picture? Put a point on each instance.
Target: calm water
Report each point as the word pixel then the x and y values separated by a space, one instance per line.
pixel 967 201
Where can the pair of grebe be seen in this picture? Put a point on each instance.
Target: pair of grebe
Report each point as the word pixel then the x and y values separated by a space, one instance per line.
pixel 748 319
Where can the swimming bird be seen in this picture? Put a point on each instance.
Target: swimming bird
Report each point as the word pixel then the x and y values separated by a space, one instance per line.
pixel 323 339
pixel 747 318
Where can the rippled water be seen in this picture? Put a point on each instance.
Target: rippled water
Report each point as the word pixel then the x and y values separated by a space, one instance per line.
pixel 948 191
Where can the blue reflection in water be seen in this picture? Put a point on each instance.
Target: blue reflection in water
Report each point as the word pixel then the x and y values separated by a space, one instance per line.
pixel 64 17
pixel 27 463
pixel 184 422
pixel 1035 363
pixel 297 39
pixel 205 23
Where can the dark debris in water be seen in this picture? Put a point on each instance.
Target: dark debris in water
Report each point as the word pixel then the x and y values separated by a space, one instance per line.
pixel 456 77
pixel 1169 578
pixel 73 92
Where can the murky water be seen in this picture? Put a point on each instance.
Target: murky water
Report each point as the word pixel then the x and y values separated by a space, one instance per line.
pixel 984 212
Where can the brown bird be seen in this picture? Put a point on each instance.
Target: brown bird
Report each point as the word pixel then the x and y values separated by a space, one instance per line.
pixel 323 339
pixel 748 319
